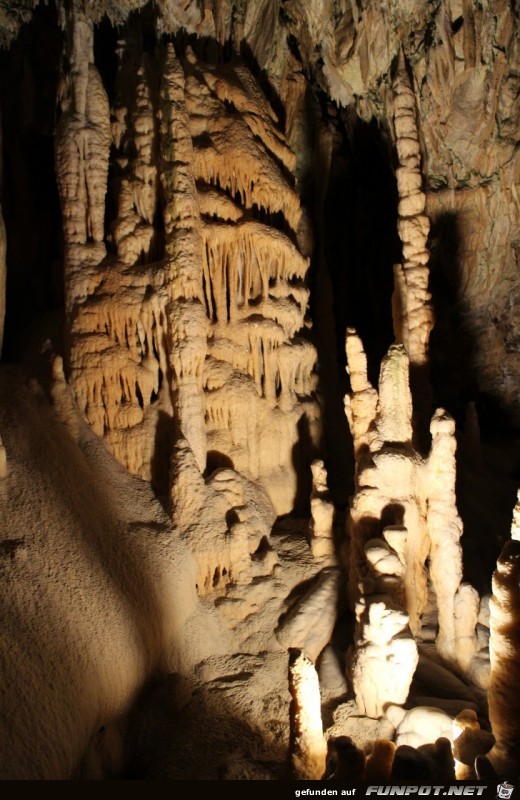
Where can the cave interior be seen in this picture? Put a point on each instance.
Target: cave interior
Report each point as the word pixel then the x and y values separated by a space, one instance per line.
pixel 259 390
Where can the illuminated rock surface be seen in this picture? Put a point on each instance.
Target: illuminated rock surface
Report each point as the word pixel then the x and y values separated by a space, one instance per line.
pixel 225 556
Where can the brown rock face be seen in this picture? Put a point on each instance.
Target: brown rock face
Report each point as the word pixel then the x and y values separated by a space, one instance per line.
pixel 223 555
pixel 216 325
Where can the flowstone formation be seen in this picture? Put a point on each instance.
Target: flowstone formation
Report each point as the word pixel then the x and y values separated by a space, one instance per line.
pixel 194 319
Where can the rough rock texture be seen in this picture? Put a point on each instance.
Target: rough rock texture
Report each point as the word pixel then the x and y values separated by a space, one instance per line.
pixel 229 285
pixel 190 222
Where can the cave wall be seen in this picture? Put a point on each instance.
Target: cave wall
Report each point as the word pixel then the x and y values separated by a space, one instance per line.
pixel 201 202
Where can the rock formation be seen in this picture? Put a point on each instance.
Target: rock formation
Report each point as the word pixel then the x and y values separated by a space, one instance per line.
pixel 208 210
pixel 308 747
pixel 404 532
pixel 412 310
pixel 322 514
pixel 229 285
pixel 503 701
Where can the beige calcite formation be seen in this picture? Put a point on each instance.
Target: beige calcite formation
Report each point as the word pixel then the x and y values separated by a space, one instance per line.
pixel 308 746
pixel 458 605
pixel 470 111
pixel 459 114
pixel 385 656
pixel 186 319
pixel 469 742
pixel 3 461
pixel 480 666
pixel 224 520
pixel 259 358
pixel 404 532
pixel 309 624
pixel 100 590
pixel 413 313
pixel 82 147
pixel 515 525
pixel 420 725
pixel 504 643
pixel 322 516
pixel 379 762
pixel 187 352
pixel 198 330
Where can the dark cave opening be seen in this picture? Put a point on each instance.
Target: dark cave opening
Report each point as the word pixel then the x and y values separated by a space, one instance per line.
pixel 29 80
pixel 352 280
pixel 361 240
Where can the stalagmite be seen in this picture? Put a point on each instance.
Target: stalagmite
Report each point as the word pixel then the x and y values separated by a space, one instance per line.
pixel 385 656
pixel 361 402
pixel 379 762
pixel 515 525
pixel 504 645
pixel 404 531
pixel 345 761
pixel 4 469
pixel 308 746
pixel 456 639
pixel 388 480
pixel 322 514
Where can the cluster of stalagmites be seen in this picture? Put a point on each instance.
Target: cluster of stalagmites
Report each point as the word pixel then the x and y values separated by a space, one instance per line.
pixel 195 312
pixel 404 534
pixel 424 742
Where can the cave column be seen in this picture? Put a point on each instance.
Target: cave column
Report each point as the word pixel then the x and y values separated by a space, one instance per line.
pixel 187 320
pixel 412 309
